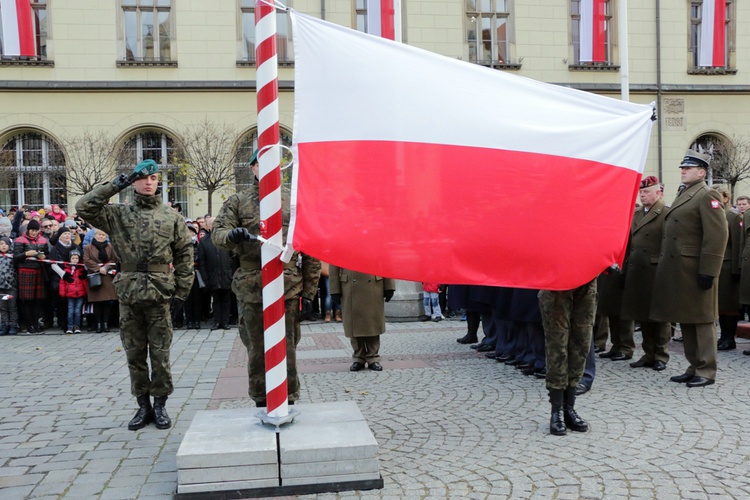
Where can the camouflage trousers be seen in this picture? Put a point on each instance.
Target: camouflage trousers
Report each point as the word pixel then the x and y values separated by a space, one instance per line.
pixel 251 333
pixel 568 318
pixel 146 332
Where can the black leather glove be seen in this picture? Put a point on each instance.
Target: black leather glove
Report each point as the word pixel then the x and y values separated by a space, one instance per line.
pixel 336 298
pixel 388 295
pixel 736 278
pixel 240 234
pixel 123 180
pixel 307 307
pixel 68 278
pixel 705 282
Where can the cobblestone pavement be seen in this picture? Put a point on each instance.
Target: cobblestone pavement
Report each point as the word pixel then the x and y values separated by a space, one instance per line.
pixel 450 423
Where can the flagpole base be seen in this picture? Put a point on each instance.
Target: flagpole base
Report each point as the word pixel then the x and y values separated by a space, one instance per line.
pixel 277 422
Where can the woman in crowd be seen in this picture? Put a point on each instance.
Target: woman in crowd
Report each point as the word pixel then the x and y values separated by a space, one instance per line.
pixel 28 249
pixel 99 257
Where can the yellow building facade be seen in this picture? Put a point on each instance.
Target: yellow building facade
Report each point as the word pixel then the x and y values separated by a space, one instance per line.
pixel 140 72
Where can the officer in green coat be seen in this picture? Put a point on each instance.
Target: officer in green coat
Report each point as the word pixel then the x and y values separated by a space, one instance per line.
pixel 149 239
pixel 234 230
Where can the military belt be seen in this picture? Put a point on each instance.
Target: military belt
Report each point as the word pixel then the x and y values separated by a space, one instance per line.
pixel 144 267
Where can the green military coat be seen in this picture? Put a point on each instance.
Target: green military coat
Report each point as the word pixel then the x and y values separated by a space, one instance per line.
pixel 641 259
pixel 729 288
pixel 362 306
pixel 301 273
pixel 694 239
pixel 609 294
pixel 745 260
pixel 146 232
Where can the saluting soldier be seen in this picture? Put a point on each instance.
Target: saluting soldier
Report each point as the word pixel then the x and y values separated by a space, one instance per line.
pixel 685 287
pixel 729 279
pixel 148 238
pixel 234 230
pixel 361 297
pixel 639 272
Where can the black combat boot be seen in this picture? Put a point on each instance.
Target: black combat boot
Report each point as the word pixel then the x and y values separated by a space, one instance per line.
pixel 161 419
pixel 144 415
pixel 572 420
pixel 557 420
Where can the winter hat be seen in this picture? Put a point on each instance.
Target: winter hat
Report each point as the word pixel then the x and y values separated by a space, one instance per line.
pixel 6 240
pixel 33 224
pixel 70 223
pixel 74 252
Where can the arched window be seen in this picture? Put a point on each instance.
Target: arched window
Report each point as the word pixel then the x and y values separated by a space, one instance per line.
pixel 32 172
pixel 716 146
pixel 159 147
pixel 243 175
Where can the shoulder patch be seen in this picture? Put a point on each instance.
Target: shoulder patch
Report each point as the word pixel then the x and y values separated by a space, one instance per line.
pixel 715 204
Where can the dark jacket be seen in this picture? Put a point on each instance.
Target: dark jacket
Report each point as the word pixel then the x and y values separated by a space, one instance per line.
pixel 216 265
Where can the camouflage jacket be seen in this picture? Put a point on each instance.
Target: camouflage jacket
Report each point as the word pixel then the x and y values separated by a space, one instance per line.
pixel 301 273
pixel 146 233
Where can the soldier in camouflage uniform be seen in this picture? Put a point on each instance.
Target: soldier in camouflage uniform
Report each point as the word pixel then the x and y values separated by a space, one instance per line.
pixel 568 318
pixel 147 236
pixel 237 221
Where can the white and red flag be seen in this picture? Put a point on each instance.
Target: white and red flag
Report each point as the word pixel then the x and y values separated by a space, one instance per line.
pixel 713 33
pixel 417 166
pixel 381 18
pixel 593 36
pixel 17 28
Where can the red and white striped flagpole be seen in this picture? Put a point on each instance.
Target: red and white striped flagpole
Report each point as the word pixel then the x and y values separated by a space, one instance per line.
pixel 269 161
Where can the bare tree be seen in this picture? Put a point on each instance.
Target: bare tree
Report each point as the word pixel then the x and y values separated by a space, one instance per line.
pixel 731 161
pixel 89 158
pixel 207 155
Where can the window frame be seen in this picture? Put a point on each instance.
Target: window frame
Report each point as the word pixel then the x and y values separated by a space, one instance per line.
pixel 40 18
pixel 575 39
pixel 493 13
pixel 284 49
pixel 154 7
pixel 694 25
pixel 248 143
pixel 52 166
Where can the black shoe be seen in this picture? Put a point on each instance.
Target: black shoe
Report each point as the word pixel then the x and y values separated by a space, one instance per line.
pixel 557 423
pixel 641 364
pixel 490 355
pixel 677 339
pixel 423 317
pixel 485 348
pixel 699 382
pixel 523 366
pixel 727 345
pixel 144 415
pixel 467 339
pixel 681 379
pixel 540 374
pixel 502 358
pixel 161 419
pixel 659 366
pixel 574 422
pixel 609 354
pixel 476 346
pixel 260 404
pixel 106 327
pixel 528 371
pixel 216 326
pixel 31 329
pixel 621 356
pixel 356 366
pixel 582 389
pixel 746 352
pixel 98 328
pixel 376 367
pixel 599 349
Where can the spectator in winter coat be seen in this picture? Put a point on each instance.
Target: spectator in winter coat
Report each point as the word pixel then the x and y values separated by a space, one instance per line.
pixel 216 269
pixel 61 251
pixel 8 285
pixel 74 287
pixel 32 293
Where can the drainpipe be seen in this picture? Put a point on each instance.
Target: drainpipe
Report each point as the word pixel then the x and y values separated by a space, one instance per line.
pixel 623 39
pixel 659 121
pixel 323 9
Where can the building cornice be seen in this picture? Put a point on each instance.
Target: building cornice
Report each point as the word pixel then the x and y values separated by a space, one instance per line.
pixel 288 86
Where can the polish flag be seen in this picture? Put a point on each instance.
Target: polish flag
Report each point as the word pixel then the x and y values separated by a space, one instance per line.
pixel 713 33
pixel 381 18
pixel 421 167
pixel 592 35
pixel 18 29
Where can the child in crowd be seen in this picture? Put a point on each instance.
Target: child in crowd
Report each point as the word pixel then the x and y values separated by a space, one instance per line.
pixel 74 287
pixel 8 284
pixel 431 301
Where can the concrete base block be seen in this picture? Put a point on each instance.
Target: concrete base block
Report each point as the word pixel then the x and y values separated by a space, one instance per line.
pixel 228 454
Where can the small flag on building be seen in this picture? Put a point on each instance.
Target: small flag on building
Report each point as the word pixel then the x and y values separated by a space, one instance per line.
pixel 17 28
pixel 713 33
pixel 593 35
pixel 381 18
